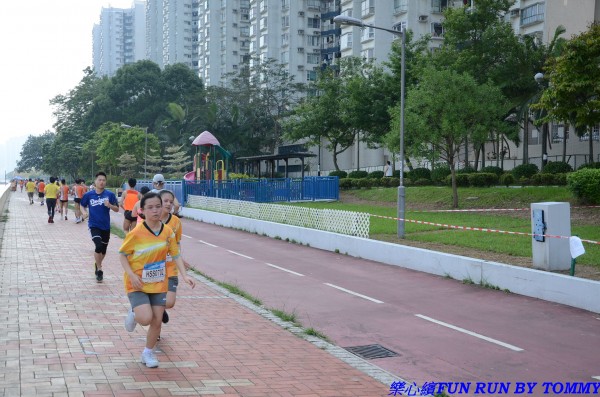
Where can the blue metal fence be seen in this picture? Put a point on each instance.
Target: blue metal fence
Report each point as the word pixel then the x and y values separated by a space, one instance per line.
pixel 176 186
pixel 268 190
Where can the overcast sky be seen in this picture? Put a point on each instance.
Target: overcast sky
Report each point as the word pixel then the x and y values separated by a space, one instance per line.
pixel 45 46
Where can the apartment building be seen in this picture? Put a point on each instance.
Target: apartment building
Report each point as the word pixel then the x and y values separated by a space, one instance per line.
pixel 172 32
pixel 540 19
pixel 119 38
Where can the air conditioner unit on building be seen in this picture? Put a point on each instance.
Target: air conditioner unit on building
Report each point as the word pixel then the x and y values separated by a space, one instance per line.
pixel 423 18
pixel 300 67
pixel 317 16
pixel 300 31
pixel 515 13
pixel 300 49
pixel 234 10
pixel 316 32
pixel 316 50
pixel 300 13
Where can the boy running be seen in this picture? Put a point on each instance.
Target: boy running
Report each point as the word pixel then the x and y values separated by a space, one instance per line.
pixel 100 202
pixel 30 188
pixel 64 197
pixel 41 187
pixel 51 193
pixel 174 223
pixel 128 200
pixel 79 190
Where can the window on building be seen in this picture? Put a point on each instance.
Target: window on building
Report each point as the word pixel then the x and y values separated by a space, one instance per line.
pixel 262 24
pixel 313 59
pixel 311 75
pixel 367 34
pixel 252 13
pixel 437 30
pixel 244 3
pixel 533 13
pixel 400 27
pixel 285 56
pixel 252 30
pixel 439 5
pixel 285 21
pixel 285 4
pixel 314 4
pixel 262 5
pixel 314 23
pixel 312 40
pixel 558 133
pixel 400 6
pixel 347 12
pixel 252 46
pixel 285 39
pixel 346 41
pixel 262 41
pixel 367 7
pixel 245 31
pixel 595 134
pixel 367 54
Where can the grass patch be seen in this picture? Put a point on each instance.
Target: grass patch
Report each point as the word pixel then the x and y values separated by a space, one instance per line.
pixel 117 231
pixel 313 332
pixel 234 289
pixel 383 202
pixel 289 317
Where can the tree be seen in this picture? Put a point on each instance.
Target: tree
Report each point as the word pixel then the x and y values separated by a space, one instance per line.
pixel 34 150
pixel 320 117
pixel 129 165
pixel 176 161
pixel 573 93
pixel 446 108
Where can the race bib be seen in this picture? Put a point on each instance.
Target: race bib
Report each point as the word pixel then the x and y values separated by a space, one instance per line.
pixel 154 272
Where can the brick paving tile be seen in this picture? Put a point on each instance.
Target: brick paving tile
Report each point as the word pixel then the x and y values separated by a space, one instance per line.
pixel 62 334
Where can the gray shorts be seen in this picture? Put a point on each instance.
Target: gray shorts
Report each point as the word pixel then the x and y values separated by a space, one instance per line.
pixel 173 283
pixel 137 298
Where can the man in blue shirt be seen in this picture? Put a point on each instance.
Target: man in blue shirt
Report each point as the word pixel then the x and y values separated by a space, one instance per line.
pixel 99 202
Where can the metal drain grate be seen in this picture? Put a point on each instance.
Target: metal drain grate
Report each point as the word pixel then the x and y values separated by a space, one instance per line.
pixel 370 352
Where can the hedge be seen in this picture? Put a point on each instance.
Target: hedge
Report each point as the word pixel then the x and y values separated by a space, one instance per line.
pixel 493 169
pixel 358 174
pixel 339 174
pixel 557 167
pixel 525 171
pixel 419 173
pixel 482 179
pixel 376 175
pixel 585 185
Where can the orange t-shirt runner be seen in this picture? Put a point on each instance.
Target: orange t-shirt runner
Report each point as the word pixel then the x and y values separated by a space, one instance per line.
pixel 64 193
pixel 130 199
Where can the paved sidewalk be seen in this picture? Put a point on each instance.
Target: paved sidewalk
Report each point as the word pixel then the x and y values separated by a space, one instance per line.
pixel 61 333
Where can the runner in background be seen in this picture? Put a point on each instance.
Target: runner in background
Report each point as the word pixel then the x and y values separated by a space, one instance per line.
pixel 128 200
pixel 100 201
pixel 174 223
pixel 41 187
pixel 51 193
pixel 136 208
pixel 143 257
pixel 79 190
pixel 30 188
pixel 64 198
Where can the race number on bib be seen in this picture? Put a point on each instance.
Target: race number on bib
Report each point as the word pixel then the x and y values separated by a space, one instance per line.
pixel 154 272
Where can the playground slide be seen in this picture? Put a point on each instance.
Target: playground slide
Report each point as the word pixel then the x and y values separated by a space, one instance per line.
pixel 190 176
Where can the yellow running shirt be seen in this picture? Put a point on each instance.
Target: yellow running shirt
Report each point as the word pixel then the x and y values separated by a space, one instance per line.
pixel 175 224
pixel 51 190
pixel 147 254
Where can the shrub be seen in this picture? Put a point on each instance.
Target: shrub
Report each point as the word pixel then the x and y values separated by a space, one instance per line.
pixel 466 170
pixel 524 181
pixel 339 174
pixel 560 179
pixel 375 175
pixel 419 173
pixel 557 167
pixel 365 183
pixel 355 183
pixel 462 180
pixel 422 182
pixel 585 185
pixel 482 179
pixel 233 175
pixel 438 175
pixel 591 165
pixel 393 182
pixel 525 171
pixel 358 174
pixel 493 169
pixel 396 174
pixel 507 179
pixel 345 183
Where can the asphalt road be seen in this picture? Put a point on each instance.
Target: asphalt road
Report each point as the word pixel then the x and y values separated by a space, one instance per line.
pixel 442 330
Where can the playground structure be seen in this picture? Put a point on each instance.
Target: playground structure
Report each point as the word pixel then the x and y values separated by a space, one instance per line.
pixel 211 161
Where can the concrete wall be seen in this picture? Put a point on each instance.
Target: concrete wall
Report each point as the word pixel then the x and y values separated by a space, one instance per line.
pixel 571 291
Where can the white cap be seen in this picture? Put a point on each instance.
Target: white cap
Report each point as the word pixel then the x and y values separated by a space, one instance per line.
pixel 158 178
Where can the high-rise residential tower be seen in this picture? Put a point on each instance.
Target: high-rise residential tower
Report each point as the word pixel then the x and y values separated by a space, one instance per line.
pixel 119 38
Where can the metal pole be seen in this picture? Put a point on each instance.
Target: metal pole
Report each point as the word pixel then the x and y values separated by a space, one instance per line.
pixel 146 153
pixel 401 192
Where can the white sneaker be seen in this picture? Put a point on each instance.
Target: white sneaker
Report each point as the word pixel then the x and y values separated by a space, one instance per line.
pixel 149 359
pixel 130 321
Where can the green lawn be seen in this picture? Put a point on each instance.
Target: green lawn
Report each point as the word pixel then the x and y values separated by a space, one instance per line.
pixel 382 202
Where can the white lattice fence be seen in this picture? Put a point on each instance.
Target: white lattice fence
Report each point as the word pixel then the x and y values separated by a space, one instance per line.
pixel 336 221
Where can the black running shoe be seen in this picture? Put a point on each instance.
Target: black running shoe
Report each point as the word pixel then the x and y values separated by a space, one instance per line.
pixel 165 317
pixel 99 276
pixel 95 269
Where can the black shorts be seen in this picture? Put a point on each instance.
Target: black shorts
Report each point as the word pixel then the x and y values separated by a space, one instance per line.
pixel 41 195
pixel 129 217
pixel 77 200
pixel 64 201
pixel 100 238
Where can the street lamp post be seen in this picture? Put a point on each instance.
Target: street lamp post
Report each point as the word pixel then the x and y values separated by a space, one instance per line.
pixel 145 148
pixel 346 20
pixel 539 78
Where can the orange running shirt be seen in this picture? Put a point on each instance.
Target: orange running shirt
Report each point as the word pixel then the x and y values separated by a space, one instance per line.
pixel 147 255
pixel 41 187
pixel 130 199
pixel 175 224
pixel 64 192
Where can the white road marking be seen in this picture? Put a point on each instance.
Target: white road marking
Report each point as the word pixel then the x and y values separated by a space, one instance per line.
pixel 354 293
pixel 209 244
pixel 596 377
pixel 285 270
pixel 186 236
pixel 508 346
pixel 238 254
